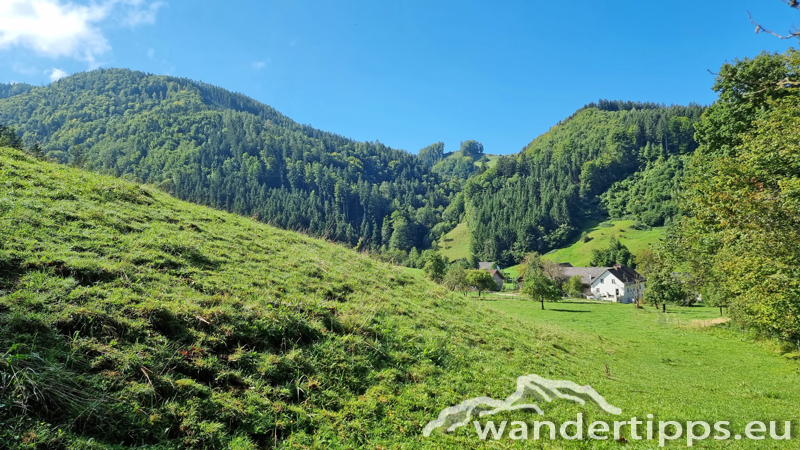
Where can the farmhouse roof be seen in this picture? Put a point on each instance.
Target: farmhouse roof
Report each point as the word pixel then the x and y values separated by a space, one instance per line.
pixel 485 265
pixel 497 272
pixel 625 274
pixel 587 274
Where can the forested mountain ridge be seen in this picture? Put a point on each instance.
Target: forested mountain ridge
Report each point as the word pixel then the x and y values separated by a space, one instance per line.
pixel 11 89
pixel 535 201
pixel 210 146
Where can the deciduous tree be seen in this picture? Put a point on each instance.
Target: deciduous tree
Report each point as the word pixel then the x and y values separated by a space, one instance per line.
pixel 481 280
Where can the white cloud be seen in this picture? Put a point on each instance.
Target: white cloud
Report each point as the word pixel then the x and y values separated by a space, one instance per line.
pixel 258 65
pixel 55 74
pixel 151 53
pixel 23 69
pixel 56 29
pixel 137 12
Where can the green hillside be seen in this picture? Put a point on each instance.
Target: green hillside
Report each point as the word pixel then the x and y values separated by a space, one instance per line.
pixel 211 146
pixel 538 199
pixel 455 244
pixel 460 164
pixel 129 318
pixel 492 160
pixel 579 253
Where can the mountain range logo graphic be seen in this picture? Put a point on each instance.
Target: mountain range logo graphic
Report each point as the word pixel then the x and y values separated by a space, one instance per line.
pixel 529 387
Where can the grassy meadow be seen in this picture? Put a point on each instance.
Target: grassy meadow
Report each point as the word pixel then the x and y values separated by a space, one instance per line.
pixel 131 319
pixel 455 244
pixel 678 366
pixel 579 253
pixel 492 160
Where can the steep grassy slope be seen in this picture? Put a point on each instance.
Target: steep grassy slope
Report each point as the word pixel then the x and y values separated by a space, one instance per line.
pixel 455 244
pixel 128 317
pixel 579 253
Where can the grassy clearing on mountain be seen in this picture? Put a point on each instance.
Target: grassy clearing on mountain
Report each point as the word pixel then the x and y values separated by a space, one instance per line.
pixel 492 160
pixel 579 253
pixel 455 244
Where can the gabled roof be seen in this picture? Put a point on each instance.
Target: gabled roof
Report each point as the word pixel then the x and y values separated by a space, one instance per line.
pixel 624 274
pixel 497 272
pixel 587 274
pixel 485 265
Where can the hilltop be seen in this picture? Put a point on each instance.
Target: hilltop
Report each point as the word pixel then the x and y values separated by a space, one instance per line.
pixel 467 161
pixel 617 159
pixel 218 148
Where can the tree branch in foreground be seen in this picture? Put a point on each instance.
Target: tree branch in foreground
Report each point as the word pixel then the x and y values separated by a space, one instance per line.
pixel 760 29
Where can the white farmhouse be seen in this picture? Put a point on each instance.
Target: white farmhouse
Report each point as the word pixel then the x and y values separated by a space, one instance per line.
pixel 618 284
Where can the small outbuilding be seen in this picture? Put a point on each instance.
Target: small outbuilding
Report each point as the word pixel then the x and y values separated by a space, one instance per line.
pixel 498 278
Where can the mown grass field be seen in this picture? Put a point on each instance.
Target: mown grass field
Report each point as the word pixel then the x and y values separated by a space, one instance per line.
pixel 672 365
pixel 579 253
pixel 131 319
pixel 455 244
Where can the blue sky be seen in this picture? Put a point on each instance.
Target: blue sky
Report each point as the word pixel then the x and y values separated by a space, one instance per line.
pixel 407 73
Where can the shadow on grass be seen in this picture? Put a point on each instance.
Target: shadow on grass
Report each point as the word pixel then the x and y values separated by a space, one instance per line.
pixel 579 302
pixel 570 310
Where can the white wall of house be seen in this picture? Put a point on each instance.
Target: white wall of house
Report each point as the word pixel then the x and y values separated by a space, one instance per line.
pixel 608 287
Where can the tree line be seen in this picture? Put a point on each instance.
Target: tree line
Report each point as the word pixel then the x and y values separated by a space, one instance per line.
pixel 213 147
pixel 536 200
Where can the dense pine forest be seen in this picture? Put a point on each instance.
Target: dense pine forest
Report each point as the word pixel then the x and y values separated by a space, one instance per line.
pixel 213 147
pixel 210 146
pixel 621 159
